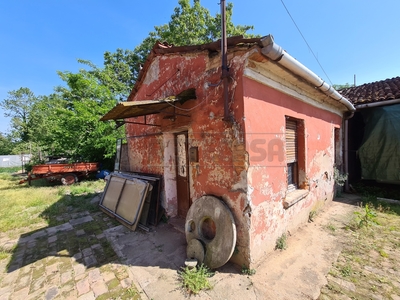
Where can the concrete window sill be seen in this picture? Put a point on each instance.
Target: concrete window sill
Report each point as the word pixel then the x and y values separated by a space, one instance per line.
pixel 294 197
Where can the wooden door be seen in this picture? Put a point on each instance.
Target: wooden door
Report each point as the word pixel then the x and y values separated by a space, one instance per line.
pixel 182 173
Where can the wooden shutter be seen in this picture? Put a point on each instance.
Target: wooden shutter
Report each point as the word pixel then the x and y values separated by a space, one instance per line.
pixel 291 141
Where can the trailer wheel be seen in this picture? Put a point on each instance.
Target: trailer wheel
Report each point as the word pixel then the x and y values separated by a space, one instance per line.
pixel 69 178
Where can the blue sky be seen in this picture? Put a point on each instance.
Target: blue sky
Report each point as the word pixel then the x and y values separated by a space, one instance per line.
pixel 40 37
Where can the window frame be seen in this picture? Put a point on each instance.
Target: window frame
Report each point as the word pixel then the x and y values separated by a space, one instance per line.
pixel 295 154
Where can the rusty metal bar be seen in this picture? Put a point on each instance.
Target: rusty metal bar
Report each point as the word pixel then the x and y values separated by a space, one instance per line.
pixel 225 69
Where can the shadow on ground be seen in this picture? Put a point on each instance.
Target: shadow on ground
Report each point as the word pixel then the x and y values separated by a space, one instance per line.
pixel 72 234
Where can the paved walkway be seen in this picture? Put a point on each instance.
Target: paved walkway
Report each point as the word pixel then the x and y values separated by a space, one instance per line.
pixel 90 256
pixel 71 261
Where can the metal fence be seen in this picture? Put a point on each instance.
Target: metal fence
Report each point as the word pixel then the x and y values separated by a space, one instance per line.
pixel 7 161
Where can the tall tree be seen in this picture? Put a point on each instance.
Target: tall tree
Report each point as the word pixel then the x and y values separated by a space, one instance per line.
pixel 68 120
pixel 78 131
pixel 189 25
pixel 18 106
pixel 6 145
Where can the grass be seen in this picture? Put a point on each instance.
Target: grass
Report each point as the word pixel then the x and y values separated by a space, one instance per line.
pixel 10 170
pixel 32 207
pixel 195 279
pixel 370 258
pixel 6 253
pixel 27 209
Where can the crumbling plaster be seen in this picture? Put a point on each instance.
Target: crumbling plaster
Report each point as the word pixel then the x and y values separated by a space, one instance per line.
pixel 267 173
pixel 231 165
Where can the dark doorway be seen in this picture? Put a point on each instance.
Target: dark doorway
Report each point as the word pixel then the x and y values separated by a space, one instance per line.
pixel 182 173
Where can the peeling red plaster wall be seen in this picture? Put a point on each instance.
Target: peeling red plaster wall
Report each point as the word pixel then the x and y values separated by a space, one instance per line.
pixel 222 163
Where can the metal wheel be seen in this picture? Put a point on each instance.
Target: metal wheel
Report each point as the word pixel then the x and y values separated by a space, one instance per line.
pixel 69 178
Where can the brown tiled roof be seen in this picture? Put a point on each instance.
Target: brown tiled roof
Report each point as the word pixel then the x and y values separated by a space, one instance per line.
pixel 377 91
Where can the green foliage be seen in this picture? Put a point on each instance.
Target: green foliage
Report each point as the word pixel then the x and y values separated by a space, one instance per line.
pixel 331 227
pixel 18 106
pixel 5 252
pixel 67 121
pixel 340 179
pixel 366 218
pixel 10 170
pixel 198 26
pixel 346 270
pixel 383 253
pixel 247 271
pixel 281 242
pixel 195 279
pixel 342 86
pixel 6 144
pixel 312 215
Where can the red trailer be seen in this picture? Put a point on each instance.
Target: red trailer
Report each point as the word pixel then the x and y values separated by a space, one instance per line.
pixel 66 173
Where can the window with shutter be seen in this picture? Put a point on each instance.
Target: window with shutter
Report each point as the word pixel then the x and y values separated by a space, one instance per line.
pixel 291 136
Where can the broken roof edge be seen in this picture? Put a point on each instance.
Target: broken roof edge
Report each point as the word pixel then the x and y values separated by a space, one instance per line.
pixel 165 48
pixel 126 109
pixel 268 48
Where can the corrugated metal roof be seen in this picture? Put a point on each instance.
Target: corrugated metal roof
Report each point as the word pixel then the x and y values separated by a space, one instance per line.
pixel 132 109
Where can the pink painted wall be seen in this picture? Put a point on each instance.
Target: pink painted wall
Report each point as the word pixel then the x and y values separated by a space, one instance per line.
pixel 265 110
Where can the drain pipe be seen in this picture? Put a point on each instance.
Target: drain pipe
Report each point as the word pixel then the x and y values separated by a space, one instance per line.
pixel 276 53
pixel 377 104
pixel 225 69
pixel 346 153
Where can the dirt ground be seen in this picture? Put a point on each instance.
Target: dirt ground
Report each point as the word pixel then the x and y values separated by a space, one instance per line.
pixel 299 272
pixel 92 257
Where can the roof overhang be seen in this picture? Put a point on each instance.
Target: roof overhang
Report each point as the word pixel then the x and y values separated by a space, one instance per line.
pixel 131 109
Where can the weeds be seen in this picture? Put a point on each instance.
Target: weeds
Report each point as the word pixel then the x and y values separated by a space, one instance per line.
pixel 366 218
pixel 196 279
pixel 340 180
pixel 369 258
pixel 281 242
pixel 5 253
pixel 346 270
pixel 247 271
pixel 331 227
pixel 312 215
pixel 383 254
pixel 132 292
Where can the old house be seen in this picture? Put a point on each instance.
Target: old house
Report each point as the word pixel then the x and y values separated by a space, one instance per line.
pixel 374 131
pixel 262 139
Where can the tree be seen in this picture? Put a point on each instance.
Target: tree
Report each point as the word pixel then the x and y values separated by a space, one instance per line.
pixel 6 145
pixel 18 106
pixel 342 86
pixel 77 129
pixel 198 26
pixel 67 121
pixel 91 93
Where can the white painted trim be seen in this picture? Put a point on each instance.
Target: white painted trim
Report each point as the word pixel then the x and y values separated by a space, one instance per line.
pixel 249 73
pixel 171 194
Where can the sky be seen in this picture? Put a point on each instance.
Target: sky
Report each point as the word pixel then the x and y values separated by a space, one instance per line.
pixel 350 38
